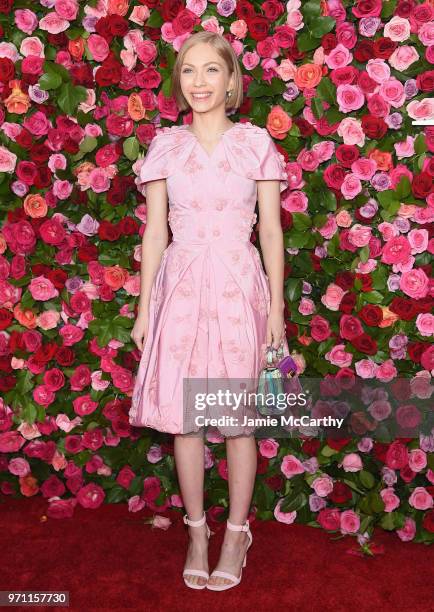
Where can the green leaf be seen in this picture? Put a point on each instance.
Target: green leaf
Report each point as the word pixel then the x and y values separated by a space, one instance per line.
pixel 317 108
pixel 293 289
pixel 366 479
pixel 88 144
pixel 131 148
pixel 328 200
pixel 306 42
pixel 311 9
pixel 403 189
pixel 69 97
pixel 50 80
pixel 327 90
pixel 301 221
pixel 364 254
pixel 420 144
pixel 321 26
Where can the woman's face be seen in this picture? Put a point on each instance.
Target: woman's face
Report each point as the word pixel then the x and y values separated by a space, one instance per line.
pixel 204 71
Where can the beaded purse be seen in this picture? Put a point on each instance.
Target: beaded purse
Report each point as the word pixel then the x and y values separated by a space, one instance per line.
pixel 271 381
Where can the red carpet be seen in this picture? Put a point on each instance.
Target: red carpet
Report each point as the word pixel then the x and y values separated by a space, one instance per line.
pixel 109 560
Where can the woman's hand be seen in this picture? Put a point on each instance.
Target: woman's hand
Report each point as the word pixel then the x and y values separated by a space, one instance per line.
pixel 275 328
pixel 140 331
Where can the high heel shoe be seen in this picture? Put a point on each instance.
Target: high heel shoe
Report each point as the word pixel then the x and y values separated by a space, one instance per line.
pixel 221 574
pixel 196 572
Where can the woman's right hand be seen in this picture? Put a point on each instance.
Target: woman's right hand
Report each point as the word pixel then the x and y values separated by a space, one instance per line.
pixel 140 331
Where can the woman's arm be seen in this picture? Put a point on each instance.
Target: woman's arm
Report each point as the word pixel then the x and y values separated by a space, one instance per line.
pixel 154 241
pixel 272 247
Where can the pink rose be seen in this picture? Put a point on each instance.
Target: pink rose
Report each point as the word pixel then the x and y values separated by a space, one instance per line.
pixel 295 201
pixel 351 131
pixel 423 109
pixel 417 460
pixel 426 34
pixel 8 160
pixel 268 448
pixel 350 522
pixel 386 371
pixel 425 324
pixel 378 106
pixel 42 289
pixel 360 235
pixel 333 297
pixel 18 466
pixel 84 405
pixel 322 485
pixel 26 20
pixel 53 24
pixel 421 499
pixel 99 181
pixel 403 57
pixel 284 517
pixel 407 532
pixel 397 29
pixel 414 283
pixel 91 496
pixel 291 466
pixel 393 92
pixel 329 518
pixel 339 357
pixel 136 503
pixel 351 187
pixel 32 46
pixel 380 409
pixel 98 47
pixel 363 168
pixel 365 368
pixel 352 463
pixel 378 70
pixel 349 97
pixel 390 499
pixel 405 148
pixel 338 57
pixel 68 9
pixel 62 189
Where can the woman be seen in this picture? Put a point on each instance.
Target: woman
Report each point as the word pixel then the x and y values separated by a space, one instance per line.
pixel 206 307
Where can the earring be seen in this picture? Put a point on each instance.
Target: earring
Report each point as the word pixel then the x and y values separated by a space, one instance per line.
pixel 228 93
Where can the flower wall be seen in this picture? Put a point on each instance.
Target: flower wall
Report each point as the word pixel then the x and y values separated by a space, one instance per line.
pixel 83 88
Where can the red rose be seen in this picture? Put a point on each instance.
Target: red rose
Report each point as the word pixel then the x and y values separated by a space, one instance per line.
pixel 39 153
pixel 365 344
pixel 415 350
pixel 7 69
pixel 347 154
pixel 425 81
pixel 87 252
pixel 384 47
pixel 404 8
pixel 364 51
pixel 350 327
pixel 407 474
pixel 258 27
pixel 334 176
pixel 396 455
pixel 371 315
pixel 344 75
pixel 341 493
pixel 108 231
pixel 374 127
pixel 311 447
pixel 109 73
pixel 328 42
pixel 6 318
pixel 6 6
pixel 24 139
pixel 428 521
pixel 118 25
pixel 329 519
pixel 306 129
pixel 404 308
pixel 348 302
pixel 421 185
pixel 366 84
pixel 367 8
pixel 102 27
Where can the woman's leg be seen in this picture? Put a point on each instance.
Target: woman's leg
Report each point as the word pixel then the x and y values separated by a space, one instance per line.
pixel 190 465
pixel 242 463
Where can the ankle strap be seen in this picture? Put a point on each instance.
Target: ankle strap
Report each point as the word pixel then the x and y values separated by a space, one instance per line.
pixel 233 527
pixel 198 523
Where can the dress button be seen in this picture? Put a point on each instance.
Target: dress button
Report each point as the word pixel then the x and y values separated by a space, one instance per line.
pixel 219 206
pixel 216 232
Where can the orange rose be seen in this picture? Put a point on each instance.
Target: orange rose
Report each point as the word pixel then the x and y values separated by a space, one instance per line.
pixel 28 485
pixel 3 244
pixel 17 102
pixel 26 318
pixel 308 75
pixel 118 7
pixel 389 317
pixel 76 48
pixel 115 277
pixel 135 107
pixel 278 122
pixel 383 159
pixel 35 206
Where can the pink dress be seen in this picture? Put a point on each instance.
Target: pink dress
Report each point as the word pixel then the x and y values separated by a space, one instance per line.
pixel 210 297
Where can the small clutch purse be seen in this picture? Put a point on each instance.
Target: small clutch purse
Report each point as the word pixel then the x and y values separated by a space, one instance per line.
pixel 271 382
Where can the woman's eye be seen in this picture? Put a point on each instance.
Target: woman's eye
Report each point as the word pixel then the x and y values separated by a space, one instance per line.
pixel 211 68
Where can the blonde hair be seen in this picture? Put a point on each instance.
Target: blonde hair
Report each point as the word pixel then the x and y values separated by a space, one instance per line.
pixel 225 51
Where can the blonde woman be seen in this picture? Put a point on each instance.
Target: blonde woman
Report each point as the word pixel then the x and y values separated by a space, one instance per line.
pixel 207 309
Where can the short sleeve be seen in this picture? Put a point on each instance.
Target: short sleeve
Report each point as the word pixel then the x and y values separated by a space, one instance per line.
pixel 272 164
pixel 156 164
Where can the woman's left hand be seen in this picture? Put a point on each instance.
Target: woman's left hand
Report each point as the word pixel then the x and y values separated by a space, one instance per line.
pixel 275 328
